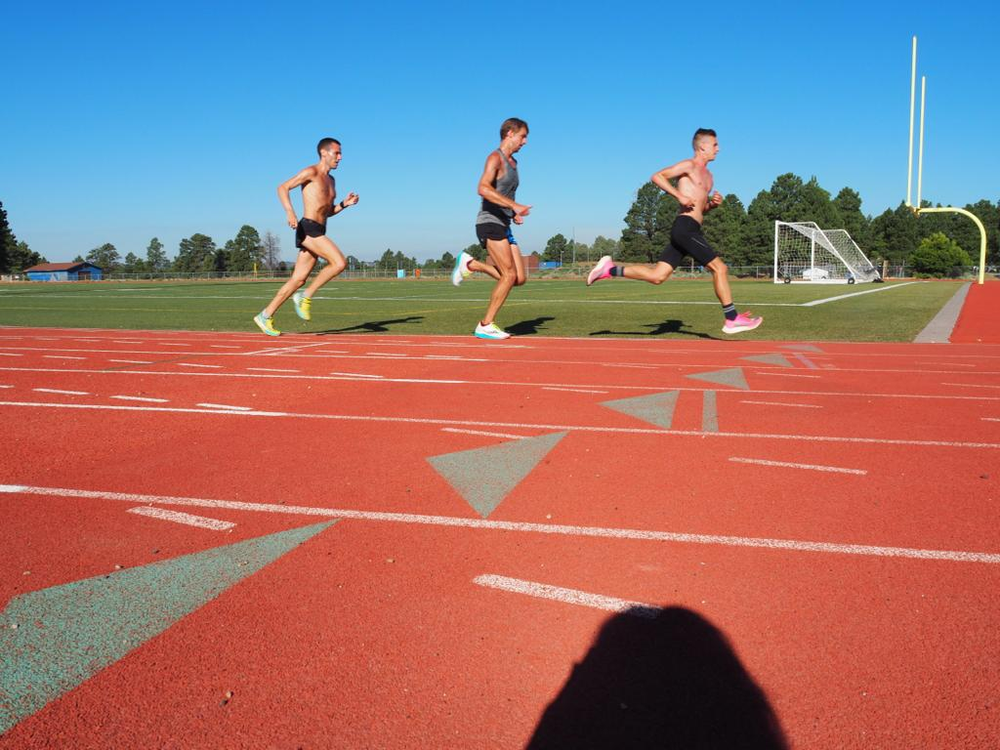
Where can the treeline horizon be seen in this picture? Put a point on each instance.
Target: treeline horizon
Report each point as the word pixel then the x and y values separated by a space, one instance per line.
pixel 743 236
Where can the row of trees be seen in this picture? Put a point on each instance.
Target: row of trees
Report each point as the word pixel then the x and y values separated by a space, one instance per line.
pixel 15 256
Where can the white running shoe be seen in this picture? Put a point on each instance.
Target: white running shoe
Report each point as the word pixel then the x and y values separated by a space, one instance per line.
pixel 491 331
pixel 461 270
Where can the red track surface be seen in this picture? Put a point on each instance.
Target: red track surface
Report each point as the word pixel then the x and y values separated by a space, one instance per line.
pixel 373 634
pixel 980 318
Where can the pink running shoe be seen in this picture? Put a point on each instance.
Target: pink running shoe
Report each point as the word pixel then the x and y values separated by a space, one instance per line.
pixel 601 271
pixel 743 322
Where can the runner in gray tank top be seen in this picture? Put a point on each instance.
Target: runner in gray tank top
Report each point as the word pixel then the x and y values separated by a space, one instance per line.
pixel 497 187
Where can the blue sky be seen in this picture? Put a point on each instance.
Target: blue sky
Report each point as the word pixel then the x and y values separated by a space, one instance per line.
pixel 126 121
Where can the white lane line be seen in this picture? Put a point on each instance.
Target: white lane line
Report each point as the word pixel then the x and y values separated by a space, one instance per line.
pixel 146 399
pixel 56 390
pixel 481 432
pixel 271 369
pixel 168 343
pixel 569 390
pixel 517 425
pixel 131 361
pixel 10 354
pixel 787 465
pixel 385 354
pixel 185 518
pixel 782 403
pixel 536 528
pixel 225 346
pixel 567 596
pixel 944 364
pixel 971 385
pixel 856 294
pixel 783 374
pixel 6 386
pixel 493 383
pixel 357 375
pixel 985 419
pixel 59 356
pixel 226 406
pixel 636 367
pixel 271 351
pixel 192 364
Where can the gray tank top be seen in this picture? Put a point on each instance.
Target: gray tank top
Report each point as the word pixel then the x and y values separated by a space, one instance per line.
pixel 506 184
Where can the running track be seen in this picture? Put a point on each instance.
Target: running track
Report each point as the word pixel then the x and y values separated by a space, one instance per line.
pixel 818 547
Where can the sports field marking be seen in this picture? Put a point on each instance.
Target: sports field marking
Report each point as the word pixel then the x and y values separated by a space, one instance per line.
pixel 633 366
pixel 787 465
pixel 225 346
pixel 385 354
pixel 709 413
pixel 192 364
pixel 185 518
pixel 358 375
pixel 784 374
pixel 971 385
pixel 855 294
pixel 10 354
pixel 146 399
pixel 782 403
pixel 60 356
pixel 486 434
pixel 64 393
pixel 6 386
pixel 225 406
pixel 944 364
pixel 271 369
pixel 536 528
pixel 131 361
pixel 515 425
pixel 569 390
pixel 985 419
pixel 172 343
pixel 805 360
pixel 273 351
pixel 567 596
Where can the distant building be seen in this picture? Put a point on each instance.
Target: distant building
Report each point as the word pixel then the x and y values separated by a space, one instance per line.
pixel 82 271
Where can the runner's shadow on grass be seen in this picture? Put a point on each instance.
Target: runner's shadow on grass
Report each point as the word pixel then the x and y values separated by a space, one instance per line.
pixel 528 327
pixel 372 326
pixel 659 678
pixel 658 329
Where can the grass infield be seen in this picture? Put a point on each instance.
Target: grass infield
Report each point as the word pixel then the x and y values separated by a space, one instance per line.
pixel 677 309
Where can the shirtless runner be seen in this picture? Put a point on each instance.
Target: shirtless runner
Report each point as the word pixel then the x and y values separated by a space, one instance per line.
pixel 319 191
pixel 694 192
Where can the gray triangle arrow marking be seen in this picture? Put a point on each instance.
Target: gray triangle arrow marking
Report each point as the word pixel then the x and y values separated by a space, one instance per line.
pixel 485 476
pixel 802 347
pixel 770 359
pixel 657 409
pixel 90 624
pixel 732 376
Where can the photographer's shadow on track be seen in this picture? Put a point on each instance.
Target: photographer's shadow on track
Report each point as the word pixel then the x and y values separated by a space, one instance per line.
pixel 659 678
pixel 657 329
pixel 372 326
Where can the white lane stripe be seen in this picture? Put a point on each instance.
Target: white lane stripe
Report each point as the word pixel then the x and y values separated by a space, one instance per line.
pixel 567 596
pixel 944 364
pixel 147 399
pixel 537 528
pixel 59 356
pixel 185 518
pixel 225 346
pixel 168 343
pixel 481 432
pixel 787 465
pixel 494 383
pixel 6 386
pixel 57 390
pixel 517 425
pixel 385 354
pixel 226 406
pixel 636 367
pixel 569 390
pixel 271 369
pixel 985 419
pixel 856 294
pixel 10 354
pixel 783 374
pixel 357 375
pixel 192 364
pixel 781 403
pixel 131 361
pixel 971 385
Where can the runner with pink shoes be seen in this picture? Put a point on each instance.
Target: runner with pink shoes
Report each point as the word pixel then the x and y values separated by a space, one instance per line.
pixel 693 191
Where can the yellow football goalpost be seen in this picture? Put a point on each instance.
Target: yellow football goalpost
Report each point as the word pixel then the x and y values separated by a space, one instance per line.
pixel 917 209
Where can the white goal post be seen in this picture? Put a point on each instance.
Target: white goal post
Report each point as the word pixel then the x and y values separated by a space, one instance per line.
pixel 804 253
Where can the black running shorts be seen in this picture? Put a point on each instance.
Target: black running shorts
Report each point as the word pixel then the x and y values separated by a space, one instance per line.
pixel 686 239
pixel 491 231
pixel 308 228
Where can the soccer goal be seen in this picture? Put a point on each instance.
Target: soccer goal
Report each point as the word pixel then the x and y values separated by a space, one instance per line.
pixel 804 253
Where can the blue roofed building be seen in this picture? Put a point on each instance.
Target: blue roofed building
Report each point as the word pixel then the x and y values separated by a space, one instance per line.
pixel 81 271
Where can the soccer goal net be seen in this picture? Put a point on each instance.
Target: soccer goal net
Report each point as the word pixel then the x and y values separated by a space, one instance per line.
pixel 804 253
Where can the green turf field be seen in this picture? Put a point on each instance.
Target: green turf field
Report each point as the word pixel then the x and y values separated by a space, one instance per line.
pixel 676 309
